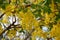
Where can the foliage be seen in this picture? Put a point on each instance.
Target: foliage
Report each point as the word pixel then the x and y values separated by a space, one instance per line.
pixel 29 17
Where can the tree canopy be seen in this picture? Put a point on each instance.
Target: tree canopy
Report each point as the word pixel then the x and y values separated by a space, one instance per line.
pixel 29 19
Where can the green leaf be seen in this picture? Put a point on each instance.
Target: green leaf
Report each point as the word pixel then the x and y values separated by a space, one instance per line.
pixel 46 9
pixel 57 17
pixel 21 31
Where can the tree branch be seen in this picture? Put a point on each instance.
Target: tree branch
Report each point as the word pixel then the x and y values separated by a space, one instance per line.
pixel 2 15
pixel 49 38
pixel 29 34
pixel 9 27
pixel 27 5
pixel 9 1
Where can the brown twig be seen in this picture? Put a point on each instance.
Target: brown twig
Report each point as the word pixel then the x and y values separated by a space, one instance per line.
pixel 9 27
pixel 9 1
pixel 29 34
pixel 49 38
pixel 28 5
pixel 2 15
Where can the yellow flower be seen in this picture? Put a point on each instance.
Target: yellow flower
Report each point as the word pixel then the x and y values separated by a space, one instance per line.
pixel 57 38
pixel 47 18
pixel 11 33
pixel 52 5
pixel 36 1
pixel 55 30
pixel 21 14
pixel 27 21
pixel 21 1
pixel 13 1
pixel 5 19
pixel 1 29
pixel 10 8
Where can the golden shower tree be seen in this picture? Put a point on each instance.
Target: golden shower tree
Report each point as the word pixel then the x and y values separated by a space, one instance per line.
pixel 29 19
